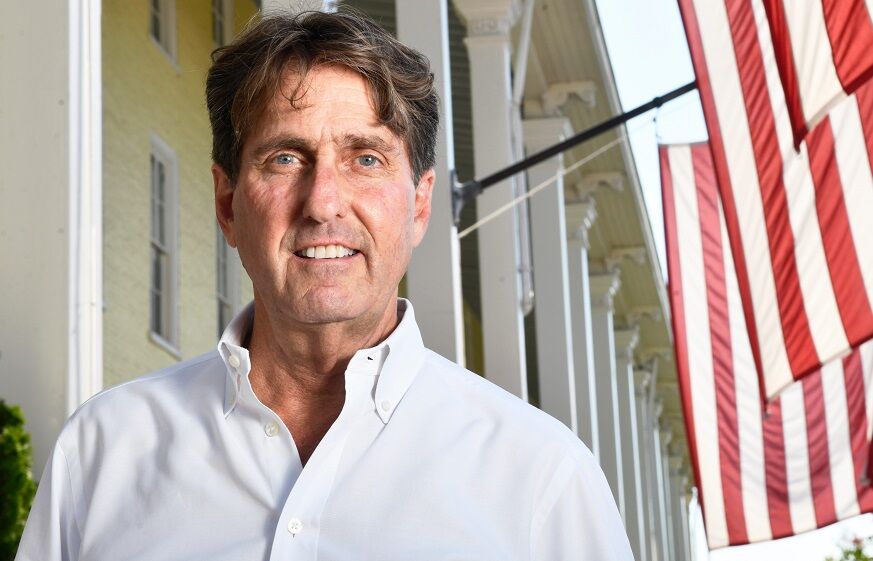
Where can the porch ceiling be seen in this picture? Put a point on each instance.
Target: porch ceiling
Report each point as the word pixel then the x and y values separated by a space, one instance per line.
pixel 566 47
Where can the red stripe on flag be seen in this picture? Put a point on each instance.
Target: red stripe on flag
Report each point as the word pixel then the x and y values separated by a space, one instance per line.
pixel 839 246
pixel 720 337
pixel 716 145
pixel 819 453
pixel 775 471
pixel 677 306
pixel 864 97
pixel 856 410
pixel 784 51
pixel 768 161
pixel 851 36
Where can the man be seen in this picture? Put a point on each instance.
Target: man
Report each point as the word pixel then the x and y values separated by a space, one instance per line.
pixel 322 428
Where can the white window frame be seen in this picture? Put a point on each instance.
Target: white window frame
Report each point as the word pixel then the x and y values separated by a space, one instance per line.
pixel 226 7
pixel 169 340
pixel 166 16
pixel 231 267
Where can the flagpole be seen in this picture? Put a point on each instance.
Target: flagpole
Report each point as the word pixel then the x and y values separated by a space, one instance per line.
pixel 461 193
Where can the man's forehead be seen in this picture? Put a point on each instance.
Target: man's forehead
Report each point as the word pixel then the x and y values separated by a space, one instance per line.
pixel 298 93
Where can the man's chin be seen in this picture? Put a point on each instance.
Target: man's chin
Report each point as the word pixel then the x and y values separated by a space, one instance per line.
pixel 329 310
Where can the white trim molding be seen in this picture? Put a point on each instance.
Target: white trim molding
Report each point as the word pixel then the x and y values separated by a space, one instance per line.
pixel 85 344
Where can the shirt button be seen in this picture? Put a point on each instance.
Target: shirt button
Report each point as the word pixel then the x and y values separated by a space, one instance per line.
pixel 233 360
pixel 271 429
pixel 385 405
pixel 295 526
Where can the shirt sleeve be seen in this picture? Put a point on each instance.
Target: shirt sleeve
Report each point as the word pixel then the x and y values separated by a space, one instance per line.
pixel 51 533
pixel 577 517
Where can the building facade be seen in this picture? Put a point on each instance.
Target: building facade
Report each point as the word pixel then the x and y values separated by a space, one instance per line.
pixel 113 265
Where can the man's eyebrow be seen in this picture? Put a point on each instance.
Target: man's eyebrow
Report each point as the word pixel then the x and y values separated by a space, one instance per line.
pixel 368 141
pixel 283 143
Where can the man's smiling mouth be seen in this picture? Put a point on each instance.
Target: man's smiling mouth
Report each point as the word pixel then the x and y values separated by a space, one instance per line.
pixel 326 252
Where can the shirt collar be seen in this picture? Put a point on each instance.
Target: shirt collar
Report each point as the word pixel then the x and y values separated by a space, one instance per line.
pixel 396 360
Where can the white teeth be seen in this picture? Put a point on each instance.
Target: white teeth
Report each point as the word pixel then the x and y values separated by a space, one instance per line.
pixel 327 252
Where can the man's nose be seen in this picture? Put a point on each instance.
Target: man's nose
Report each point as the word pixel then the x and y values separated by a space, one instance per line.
pixel 324 200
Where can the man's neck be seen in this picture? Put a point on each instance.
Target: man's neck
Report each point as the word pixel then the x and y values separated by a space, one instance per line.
pixel 298 371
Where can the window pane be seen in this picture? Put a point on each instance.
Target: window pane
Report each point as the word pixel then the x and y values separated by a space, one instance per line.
pixel 218 22
pixel 157 270
pixel 156 313
pixel 153 198
pixel 156 20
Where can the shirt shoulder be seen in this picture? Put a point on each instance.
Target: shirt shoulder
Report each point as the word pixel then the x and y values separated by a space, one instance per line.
pixel 149 401
pixel 479 400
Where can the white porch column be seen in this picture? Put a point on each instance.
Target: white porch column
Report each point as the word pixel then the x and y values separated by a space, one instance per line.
pixel 680 508
pixel 51 248
pixel 669 547
pixel 488 46
pixel 657 473
pixel 642 379
pixel 625 342
pixel 555 361
pixel 433 280
pixel 603 289
pixel 580 218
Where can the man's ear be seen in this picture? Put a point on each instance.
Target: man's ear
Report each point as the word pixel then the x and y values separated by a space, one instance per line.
pixel 224 203
pixel 423 195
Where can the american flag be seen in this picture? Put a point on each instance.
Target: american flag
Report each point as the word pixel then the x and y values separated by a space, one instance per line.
pixel 798 220
pixel 824 51
pixel 763 471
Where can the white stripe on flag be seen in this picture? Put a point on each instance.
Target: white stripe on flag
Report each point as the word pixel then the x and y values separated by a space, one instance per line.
pixel 698 340
pixel 839 443
pixel 855 174
pixel 817 79
pixel 866 352
pixel 797 459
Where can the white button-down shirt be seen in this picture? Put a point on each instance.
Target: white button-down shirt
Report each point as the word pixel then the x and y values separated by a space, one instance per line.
pixel 427 461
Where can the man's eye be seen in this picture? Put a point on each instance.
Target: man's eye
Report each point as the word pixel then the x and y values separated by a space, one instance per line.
pixel 368 160
pixel 285 159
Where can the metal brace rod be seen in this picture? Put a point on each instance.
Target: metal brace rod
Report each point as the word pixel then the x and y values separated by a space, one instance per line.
pixel 461 193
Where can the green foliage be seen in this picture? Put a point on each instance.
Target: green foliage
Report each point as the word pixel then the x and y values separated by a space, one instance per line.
pixel 16 481
pixel 854 551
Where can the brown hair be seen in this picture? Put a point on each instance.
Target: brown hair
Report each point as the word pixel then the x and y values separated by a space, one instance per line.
pixel 246 73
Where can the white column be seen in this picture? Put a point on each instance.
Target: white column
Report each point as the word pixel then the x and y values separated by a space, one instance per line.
pixel 51 247
pixel 663 439
pixel 664 467
pixel 603 289
pixel 488 47
pixel 657 473
pixel 679 507
pixel 554 335
pixel 642 378
pixel 433 280
pixel 580 217
pixel 625 342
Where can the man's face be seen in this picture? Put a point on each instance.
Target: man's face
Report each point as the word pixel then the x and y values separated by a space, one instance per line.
pixel 324 212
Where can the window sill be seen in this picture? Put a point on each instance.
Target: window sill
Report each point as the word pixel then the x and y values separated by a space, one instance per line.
pixel 171 58
pixel 168 347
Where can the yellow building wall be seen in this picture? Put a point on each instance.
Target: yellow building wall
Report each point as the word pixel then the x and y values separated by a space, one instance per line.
pixel 146 93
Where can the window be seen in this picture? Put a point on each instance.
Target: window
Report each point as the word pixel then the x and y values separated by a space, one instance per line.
pixel 222 19
pixel 227 280
pixel 163 290
pixel 162 25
